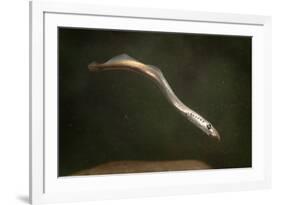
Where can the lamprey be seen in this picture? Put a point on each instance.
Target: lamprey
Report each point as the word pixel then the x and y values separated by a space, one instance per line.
pixel 125 62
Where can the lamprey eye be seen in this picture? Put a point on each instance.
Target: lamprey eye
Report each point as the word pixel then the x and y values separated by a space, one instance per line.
pixel 209 126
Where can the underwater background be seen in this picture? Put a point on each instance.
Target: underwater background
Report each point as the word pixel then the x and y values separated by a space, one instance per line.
pixel 119 115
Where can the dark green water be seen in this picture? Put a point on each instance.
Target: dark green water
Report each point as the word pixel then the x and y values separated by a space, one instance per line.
pixel 119 115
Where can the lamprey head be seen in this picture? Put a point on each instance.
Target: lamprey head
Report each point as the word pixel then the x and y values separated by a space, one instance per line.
pixel 211 131
pixel 203 124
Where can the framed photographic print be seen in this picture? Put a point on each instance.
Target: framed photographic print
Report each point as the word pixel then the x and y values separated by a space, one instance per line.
pixel 130 102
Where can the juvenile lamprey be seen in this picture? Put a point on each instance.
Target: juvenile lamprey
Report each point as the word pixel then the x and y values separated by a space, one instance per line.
pixel 125 62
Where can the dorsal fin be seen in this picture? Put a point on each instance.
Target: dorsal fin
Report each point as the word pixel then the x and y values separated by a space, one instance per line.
pixel 119 58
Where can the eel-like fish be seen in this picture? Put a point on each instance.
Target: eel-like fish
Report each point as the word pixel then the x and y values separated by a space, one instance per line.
pixel 125 62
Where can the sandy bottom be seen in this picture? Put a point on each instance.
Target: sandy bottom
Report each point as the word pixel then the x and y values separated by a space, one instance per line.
pixel 117 167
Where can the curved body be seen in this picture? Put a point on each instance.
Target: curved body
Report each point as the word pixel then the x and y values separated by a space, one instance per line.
pixel 124 62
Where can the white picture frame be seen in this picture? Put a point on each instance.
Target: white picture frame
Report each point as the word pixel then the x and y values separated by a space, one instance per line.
pixel 46 187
